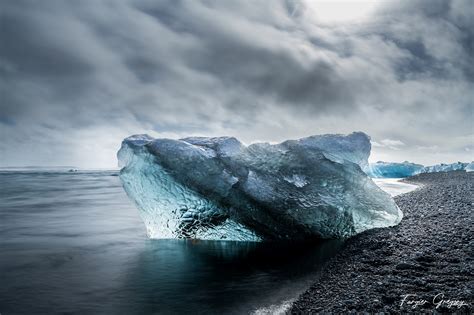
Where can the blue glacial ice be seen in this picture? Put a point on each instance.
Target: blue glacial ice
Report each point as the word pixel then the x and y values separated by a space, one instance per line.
pixel 459 166
pixel 393 169
pixel 406 169
pixel 470 167
pixel 219 188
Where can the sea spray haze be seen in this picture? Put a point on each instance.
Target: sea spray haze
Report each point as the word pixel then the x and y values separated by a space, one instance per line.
pixel 218 188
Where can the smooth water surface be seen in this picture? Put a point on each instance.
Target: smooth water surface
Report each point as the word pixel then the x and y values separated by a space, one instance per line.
pixel 394 186
pixel 72 242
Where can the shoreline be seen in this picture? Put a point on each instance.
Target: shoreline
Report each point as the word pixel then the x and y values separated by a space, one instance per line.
pixel 424 264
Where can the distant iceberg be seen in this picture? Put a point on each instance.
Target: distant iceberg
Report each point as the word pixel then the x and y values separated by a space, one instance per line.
pixel 406 169
pixel 459 166
pixel 218 188
pixel 470 167
pixel 393 170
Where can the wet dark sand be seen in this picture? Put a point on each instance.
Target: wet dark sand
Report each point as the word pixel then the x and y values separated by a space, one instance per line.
pixel 423 265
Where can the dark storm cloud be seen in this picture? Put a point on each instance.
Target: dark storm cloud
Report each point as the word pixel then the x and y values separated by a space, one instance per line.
pixel 77 76
pixel 438 35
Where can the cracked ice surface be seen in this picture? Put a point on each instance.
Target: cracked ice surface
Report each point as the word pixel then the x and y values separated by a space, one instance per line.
pixel 218 188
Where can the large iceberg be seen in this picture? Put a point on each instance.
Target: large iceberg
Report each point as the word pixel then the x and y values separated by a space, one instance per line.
pixel 218 188
pixel 393 170
pixel 459 166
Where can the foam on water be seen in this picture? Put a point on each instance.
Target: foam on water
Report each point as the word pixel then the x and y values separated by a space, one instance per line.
pixel 275 309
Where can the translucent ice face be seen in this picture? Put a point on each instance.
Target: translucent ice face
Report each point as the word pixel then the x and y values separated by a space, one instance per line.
pixel 217 188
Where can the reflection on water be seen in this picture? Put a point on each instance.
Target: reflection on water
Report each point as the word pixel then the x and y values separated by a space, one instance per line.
pixel 394 186
pixel 72 242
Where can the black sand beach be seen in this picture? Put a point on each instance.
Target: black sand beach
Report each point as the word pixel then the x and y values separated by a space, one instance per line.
pixel 422 265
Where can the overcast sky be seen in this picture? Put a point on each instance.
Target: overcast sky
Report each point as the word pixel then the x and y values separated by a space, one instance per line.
pixel 79 76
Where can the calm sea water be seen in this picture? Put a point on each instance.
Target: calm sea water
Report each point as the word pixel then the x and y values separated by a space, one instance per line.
pixel 394 186
pixel 74 243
